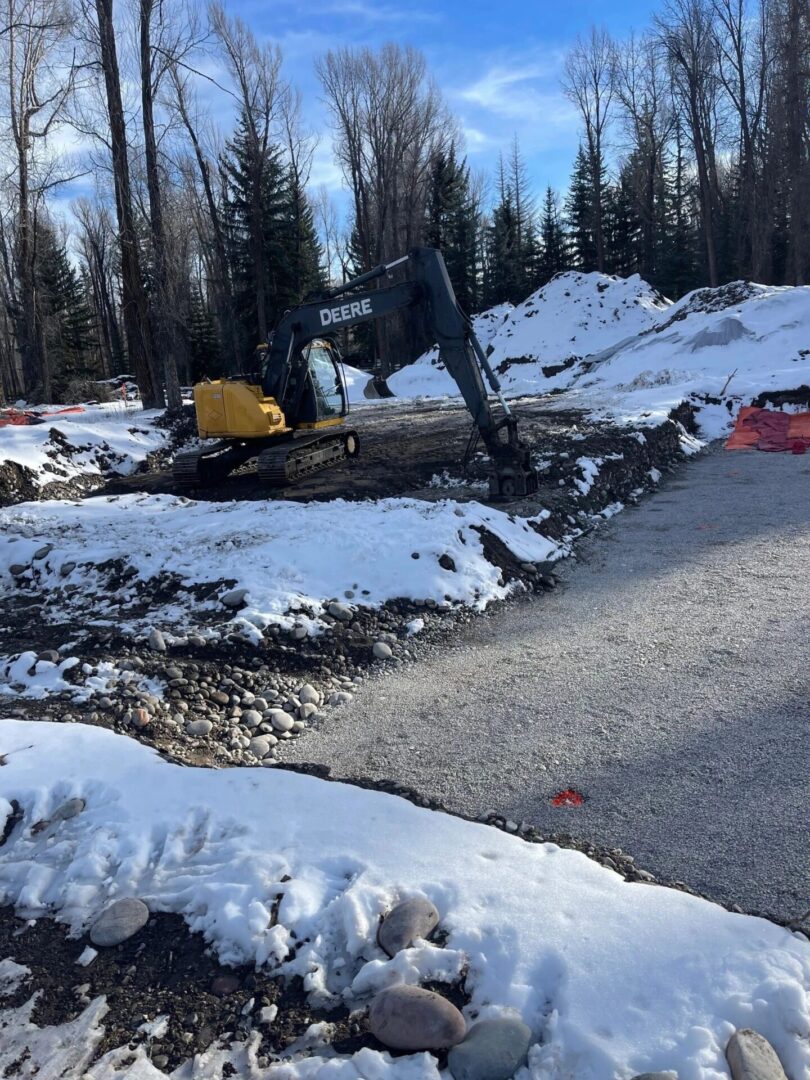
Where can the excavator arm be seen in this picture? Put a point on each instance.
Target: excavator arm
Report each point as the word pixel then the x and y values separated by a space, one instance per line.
pixel 428 285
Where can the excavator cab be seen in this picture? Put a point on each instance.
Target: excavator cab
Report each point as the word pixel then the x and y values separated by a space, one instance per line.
pixel 313 396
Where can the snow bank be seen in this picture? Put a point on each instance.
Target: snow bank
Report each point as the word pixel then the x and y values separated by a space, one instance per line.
pixel 355 382
pixel 739 341
pixel 111 438
pixel 427 377
pixel 572 317
pixel 289 557
pixel 613 978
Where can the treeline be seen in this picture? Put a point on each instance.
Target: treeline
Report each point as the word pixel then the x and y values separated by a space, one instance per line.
pixel 693 168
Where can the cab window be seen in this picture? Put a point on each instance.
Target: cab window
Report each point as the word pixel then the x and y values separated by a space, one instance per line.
pixel 326 383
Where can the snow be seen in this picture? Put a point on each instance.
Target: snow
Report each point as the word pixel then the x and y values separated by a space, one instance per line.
pixel 427 377
pixel 355 382
pixel 380 550
pixel 613 978
pixel 737 341
pixel 25 676
pixel 628 355
pixel 114 437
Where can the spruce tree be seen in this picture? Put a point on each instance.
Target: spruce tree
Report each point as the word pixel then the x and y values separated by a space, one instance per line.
pixel 553 259
pixel 202 340
pixel 452 225
pixel 579 215
pixel 67 318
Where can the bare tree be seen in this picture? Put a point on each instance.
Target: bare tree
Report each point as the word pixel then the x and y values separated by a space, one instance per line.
pixel 589 84
pixel 40 77
pixel 97 242
pixel 687 35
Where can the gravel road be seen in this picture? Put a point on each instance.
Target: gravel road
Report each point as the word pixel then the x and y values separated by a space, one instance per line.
pixel 667 679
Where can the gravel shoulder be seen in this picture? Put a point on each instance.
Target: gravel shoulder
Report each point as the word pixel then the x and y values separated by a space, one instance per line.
pixel 666 679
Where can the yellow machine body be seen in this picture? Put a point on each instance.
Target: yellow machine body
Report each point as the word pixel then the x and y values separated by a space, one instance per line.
pixel 236 410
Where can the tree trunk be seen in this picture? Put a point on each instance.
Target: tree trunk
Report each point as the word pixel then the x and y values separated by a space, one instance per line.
pixel 134 302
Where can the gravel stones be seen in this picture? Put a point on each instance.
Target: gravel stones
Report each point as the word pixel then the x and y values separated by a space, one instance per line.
pixel 199 727
pixel 492 1050
pixel 404 923
pixel 751 1057
pixel 156 641
pixel 120 921
pixel 382 651
pixel 410 1018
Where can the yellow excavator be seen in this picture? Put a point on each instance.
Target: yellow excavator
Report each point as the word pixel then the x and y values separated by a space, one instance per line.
pixel 291 414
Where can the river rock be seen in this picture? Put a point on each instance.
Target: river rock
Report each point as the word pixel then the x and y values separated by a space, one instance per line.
pixel 751 1057
pixel 119 921
pixel 281 720
pixel 68 809
pixel 17 569
pixel 308 695
pixel 340 611
pixel 156 641
pixel 67 568
pixel 235 598
pixel 382 651
pixel 404 923
pixel 199 727
pixel 40 553
pixel 251 718
pixel 492 1050
pixel 410 1018
pixel 260 746
pixel 341 697
pixel 51 655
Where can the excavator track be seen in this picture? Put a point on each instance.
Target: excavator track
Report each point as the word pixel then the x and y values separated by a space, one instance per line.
pixel 281 465
pixel 209 464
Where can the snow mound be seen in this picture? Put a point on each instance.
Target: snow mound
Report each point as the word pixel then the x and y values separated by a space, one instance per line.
pixel 427 377
pixel 573 316
pixel 355 382
pixel 293 873
pixel 113 438
pixel 727 345
pixel 290 558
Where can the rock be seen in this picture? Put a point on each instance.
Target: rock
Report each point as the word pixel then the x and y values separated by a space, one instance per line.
pixel 172 673
pixel 382 651
pixel 219 697
pixel 140 718
pixel 51 655
pixel 751 1057
pixel 410 1018
pixel 235 598
pixel 446 562
pixel 67 810
pixel 298 633
pixel 307 710
pixel 341 697
pixel 308 695
pixel 492 1050
pixel 340 611
pixel 156 641
pixel 281 720
pixel 40 553
pixel 199 727
pixel 67 568
pixel 260 746
pixel 406 921
pixel 223 985
pixel 119 921
pixel 260 704
pixel 251 718
pixel 16 569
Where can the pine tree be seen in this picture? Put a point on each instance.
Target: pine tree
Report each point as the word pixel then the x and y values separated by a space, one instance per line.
pixel 202 340
pixel 452 225
pixel 623 240
pixel 553 257
pixel 70 343
pixel 579 215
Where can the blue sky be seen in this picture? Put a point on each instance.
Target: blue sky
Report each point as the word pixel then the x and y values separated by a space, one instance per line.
pixel 498 64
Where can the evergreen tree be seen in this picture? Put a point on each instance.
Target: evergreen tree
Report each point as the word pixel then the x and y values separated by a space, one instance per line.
pixel 452 225
pixel 67 318
pixel 623 232
pixel 203 341
pixel 579 215
pixel 553 257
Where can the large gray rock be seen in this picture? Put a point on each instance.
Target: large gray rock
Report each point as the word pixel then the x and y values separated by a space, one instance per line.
pixel 235 598
pixel 119 921
pixel 410 1018
pixel 68 809
pixel 408 920
pixel 751 1057
pixel 251 718
pixel 199 727
pixel 281 720
pixel 340 611
pixel 156 641
pixel 382 651
pixel 308 695
pixel 492 1050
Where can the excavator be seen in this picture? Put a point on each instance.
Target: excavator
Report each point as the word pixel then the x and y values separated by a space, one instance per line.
pixel 290 415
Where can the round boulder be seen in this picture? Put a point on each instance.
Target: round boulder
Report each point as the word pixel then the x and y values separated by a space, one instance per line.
pixel 404 923
pixel 382 651
pixel 119 921
pixel 410 1018
pixel 751 1057
pixel 281 720
pixel 492 1050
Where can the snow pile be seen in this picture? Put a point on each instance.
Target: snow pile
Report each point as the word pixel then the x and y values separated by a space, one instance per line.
pixel 293 873
pixel 572 317
pixel 114 437
pixel 427 377
pixel 737 341
pixel 288 557
pixel 355 382
pixel 28 676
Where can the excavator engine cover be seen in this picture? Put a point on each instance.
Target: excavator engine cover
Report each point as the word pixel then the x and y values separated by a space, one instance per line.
pixel 229 409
